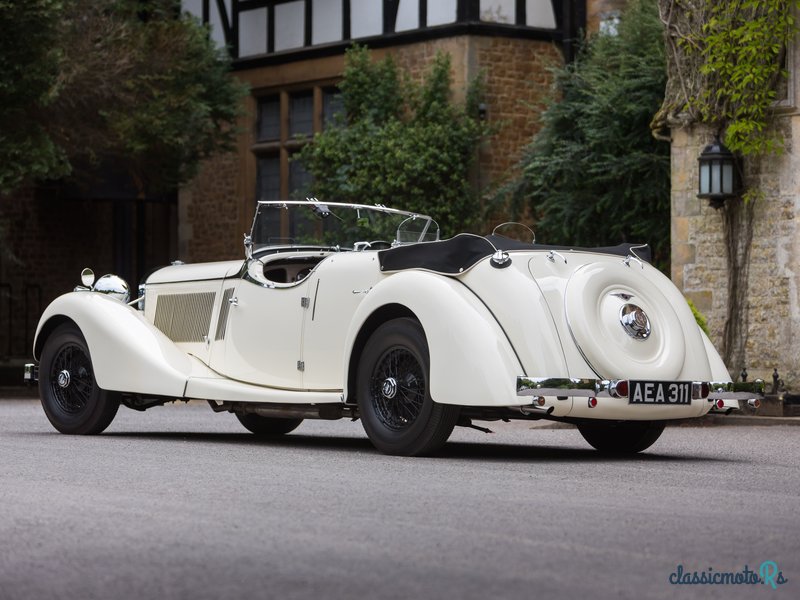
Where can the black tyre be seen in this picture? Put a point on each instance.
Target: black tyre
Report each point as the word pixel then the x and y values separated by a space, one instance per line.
pixel 71 398
pixel 393 391
pixel 267 426
pixel 622 438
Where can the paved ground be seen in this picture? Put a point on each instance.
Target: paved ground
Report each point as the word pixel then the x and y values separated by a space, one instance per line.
pixel 181 503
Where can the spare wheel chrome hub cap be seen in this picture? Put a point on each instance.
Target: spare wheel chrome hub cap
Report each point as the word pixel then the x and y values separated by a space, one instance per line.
pixel 389 388
pixel 63 378
pixel 634 321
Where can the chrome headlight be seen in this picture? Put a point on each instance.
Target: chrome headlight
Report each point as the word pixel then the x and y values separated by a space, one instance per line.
pixel 114 286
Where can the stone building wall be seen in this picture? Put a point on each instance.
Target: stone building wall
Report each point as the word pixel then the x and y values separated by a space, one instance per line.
pixel 771 316
pixel 209 222
pixel 518 84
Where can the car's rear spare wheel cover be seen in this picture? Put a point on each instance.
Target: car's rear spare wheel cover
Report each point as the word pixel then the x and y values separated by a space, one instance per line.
pixel 622 324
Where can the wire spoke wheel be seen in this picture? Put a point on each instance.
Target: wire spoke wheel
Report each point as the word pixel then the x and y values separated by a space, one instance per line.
pixel 393 392
pixel 397 389
pixel 71 397
pixel 71 379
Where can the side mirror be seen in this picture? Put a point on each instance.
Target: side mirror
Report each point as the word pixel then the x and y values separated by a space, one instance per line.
pixel 248 246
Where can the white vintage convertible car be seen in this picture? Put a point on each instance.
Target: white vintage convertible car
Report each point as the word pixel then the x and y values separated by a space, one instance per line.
pixel 356 311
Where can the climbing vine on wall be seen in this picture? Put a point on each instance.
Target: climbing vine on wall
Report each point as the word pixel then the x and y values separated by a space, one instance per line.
pixel 727 63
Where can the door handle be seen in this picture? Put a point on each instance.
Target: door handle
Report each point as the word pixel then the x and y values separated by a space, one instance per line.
pixel 233 301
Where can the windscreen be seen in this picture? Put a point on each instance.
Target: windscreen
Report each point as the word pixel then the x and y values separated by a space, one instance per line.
pixel 342 226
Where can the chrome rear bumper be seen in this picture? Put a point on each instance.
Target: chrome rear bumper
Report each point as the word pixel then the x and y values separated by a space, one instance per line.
pixel 563 388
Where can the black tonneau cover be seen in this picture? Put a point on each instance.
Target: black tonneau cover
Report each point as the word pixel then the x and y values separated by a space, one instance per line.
pixel 457 254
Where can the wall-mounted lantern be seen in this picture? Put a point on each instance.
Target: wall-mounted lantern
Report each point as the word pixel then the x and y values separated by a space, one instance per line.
pixel 719 178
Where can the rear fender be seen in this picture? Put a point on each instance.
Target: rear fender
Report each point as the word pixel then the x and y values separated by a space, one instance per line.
pixel 128 353
pixel 472 361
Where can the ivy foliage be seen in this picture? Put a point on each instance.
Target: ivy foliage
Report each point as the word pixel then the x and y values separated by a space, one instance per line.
pixel 699 318
pixel 594 174
pixel 133 82
pixel 728 65
pixel 400 143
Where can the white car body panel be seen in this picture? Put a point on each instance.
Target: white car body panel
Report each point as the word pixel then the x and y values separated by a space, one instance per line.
pixel 257 337
pixel 336 288
pixel 196 272
pixel 472 362
pixel 223 389
pixel 584 286
pixel 128 353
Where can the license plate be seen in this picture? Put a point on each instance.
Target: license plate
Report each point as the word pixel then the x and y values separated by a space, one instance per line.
pixel 660 392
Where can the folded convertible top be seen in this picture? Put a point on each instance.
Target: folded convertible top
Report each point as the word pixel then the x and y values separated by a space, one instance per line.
pixel 457 254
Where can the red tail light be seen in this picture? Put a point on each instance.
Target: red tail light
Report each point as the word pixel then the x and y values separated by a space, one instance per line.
pixel 720 403
pixel 619 389
pixel 592 402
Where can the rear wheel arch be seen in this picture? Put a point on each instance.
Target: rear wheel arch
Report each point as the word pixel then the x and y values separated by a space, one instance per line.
pixel 394 402
pixel 381 315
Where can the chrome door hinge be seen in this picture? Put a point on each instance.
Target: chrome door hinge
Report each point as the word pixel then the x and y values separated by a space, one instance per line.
pixel 301 366
pixel 305 302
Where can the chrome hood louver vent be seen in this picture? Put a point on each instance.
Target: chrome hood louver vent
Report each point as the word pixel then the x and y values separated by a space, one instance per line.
pixel 184 317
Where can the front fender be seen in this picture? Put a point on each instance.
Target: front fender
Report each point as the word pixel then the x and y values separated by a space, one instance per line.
pixel 472 361
pixel 128 353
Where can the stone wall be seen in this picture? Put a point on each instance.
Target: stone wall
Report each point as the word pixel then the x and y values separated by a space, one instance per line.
pixel 518 83
pixel 209 222
pixel 771 316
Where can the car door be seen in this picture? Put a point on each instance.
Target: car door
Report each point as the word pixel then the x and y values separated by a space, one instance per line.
pixel 336 289
pixel 262 333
